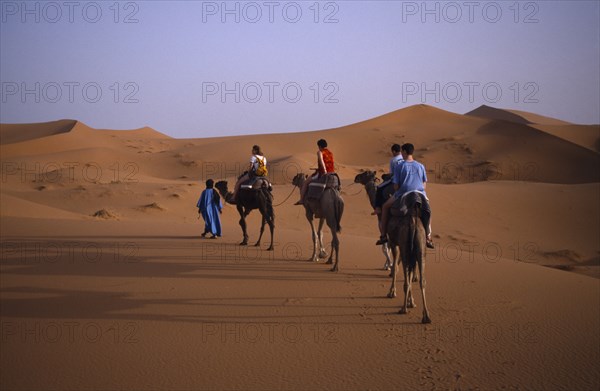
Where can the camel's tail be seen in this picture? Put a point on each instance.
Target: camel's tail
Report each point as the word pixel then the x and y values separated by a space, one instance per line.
pixel 338 207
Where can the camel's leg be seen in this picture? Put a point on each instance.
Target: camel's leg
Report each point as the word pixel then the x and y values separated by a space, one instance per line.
pixel 322 253
pixel 386 252
pixel 407 277
pixel 243 225
pixel 267 218
pixel 411 278
pixel 335 241
pixel 392 292
pixel 314 239
pixel 271 223
pixel 411 301
pixel 262 230
pixel 335 248
pixel 426 318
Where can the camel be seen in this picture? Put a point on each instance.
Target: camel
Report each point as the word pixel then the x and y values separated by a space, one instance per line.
pixel 368 180
pixel 406 236
pixel 328 209
pixel 247 200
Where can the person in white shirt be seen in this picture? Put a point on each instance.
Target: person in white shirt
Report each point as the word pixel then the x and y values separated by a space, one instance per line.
pixel 256 160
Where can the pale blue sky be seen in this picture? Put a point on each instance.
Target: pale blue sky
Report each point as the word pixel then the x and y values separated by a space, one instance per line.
pixel 374 57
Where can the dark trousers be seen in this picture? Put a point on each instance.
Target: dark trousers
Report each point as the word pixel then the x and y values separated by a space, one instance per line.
pixel 379 193
pixel 426 215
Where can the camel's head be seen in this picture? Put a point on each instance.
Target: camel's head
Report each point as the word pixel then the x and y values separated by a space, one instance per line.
pixel 365 177
pixel 299 179
pixel 221 186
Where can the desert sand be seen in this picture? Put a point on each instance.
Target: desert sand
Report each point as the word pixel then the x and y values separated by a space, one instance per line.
pixel 106 284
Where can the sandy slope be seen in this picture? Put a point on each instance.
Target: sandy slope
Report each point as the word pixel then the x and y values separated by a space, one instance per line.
pixel 133 299
pixel 517 116
pixel 15 133
pixel 587 136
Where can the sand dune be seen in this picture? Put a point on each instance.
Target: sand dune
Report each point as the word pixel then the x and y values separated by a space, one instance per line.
pixel 61 136
pixel 100 233
pixel 587 136
pixel 539 119
pixel 15 133
pixel 444 141
pixel 517 116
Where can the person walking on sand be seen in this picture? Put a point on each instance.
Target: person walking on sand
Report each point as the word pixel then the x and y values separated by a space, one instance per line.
pixel 325 166
pixel 210 206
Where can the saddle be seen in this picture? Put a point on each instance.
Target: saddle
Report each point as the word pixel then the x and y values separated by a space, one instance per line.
pixel 317 187
pixel 405 203
pixel 256 183
pixel 384 191
pixel 387 177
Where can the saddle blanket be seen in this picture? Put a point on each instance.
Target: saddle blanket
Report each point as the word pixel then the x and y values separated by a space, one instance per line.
pixel 317 187
pixel 255 183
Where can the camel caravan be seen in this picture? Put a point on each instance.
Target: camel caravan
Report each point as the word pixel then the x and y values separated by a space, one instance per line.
pixel 399 201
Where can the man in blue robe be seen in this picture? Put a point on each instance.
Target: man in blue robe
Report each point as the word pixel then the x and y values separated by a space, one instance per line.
pixel 210 206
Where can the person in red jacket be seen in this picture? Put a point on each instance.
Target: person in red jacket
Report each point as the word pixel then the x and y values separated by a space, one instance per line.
pixel 325 165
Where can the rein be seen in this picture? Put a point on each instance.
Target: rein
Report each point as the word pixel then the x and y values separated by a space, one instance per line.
pixel 287 198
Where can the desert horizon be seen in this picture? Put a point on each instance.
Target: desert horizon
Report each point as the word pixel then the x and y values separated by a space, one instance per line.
pixel 103 265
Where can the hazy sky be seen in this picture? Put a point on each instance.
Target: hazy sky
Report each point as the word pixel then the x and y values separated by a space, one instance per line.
pixel 202 68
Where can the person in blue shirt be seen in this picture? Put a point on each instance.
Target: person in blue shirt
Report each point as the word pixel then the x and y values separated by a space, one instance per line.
pixel 396 159
pixel 408 176
pixel 210 206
